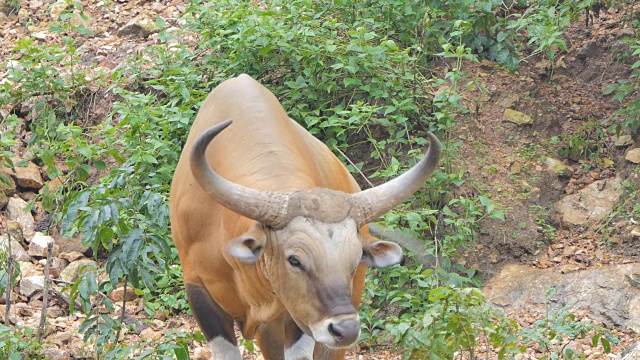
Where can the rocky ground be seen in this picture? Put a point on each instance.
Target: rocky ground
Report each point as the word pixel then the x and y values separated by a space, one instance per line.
pixel 567 223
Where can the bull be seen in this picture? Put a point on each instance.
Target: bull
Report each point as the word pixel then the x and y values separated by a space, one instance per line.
pixel 271 228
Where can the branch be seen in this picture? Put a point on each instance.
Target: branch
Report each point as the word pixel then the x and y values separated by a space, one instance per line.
pixel 45 295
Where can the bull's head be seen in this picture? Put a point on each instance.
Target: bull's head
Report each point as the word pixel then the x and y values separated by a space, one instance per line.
pixel 310 239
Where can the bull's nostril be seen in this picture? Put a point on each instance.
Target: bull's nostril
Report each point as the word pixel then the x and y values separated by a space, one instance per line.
pixel 335 332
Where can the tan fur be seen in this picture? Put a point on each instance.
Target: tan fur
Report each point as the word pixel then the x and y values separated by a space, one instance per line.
pixel 277 154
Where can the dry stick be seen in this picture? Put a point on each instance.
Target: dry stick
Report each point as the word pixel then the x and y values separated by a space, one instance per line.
pixel 45 293
pixel 124 304
pixel 9 278
pixel 354 165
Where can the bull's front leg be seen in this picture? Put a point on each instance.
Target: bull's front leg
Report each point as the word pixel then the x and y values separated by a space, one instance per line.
pixel 216 325
pixel 298 345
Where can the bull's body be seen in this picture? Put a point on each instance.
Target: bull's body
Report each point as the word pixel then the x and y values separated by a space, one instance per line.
pixel 266 150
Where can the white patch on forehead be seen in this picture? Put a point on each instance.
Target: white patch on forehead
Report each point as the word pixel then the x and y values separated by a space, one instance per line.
pixel 335 243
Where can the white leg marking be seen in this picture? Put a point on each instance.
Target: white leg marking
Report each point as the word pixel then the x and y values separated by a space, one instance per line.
pixel 301 349
pixel 221 349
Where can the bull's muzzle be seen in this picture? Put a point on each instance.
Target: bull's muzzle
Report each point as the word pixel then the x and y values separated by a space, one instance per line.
pixel 338 332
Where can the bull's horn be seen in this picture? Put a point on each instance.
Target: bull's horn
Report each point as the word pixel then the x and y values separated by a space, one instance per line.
pixel 267 207
pixel 374 202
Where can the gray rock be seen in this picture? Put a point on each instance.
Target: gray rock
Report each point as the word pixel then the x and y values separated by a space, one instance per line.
pixel 141 26
pixel 622 140
pixel 633 156
pixel 77 268
pixel 31 284
pixel 39 243
pixel 517 117
pixel 631 353
pixel 18 253
pixel 558 167
pixel 606 293
pixel 590 204
pixel 17 211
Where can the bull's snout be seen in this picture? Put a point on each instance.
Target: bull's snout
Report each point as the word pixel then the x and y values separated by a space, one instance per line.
pixel 345 331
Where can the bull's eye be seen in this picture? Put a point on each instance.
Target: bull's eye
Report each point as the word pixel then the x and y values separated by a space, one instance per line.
pixel 294 261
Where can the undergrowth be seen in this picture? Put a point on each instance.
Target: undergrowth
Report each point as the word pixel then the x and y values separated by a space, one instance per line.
pixel 354 73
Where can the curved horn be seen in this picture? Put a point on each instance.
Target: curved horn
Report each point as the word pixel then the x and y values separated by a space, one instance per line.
pixel 376 201
pixel 266 207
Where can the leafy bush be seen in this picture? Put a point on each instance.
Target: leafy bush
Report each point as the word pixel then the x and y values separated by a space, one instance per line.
pixel 19 343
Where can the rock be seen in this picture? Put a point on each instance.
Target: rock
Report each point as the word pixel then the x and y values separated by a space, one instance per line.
pixel 52 353
pixel 51 186
pixel 517 117
pixel 31 284
pixel 201 353
pixel 604 292
pixel 558 167
pixel 27 176
pixel 633 156
pixel 118 294
pixel 141 26
pixel 27 269
pixel 17 211
pixel 631 353
pixel 7 184
pixel 18 253
pixel 64 337
pixel 39 243
pixel 71 256
pixel 509 101
pixel 77 268
pixel 635 232
pixel 626 32
pixel 590 204
pixel 622 140
pixel 150 334
pixel 57 8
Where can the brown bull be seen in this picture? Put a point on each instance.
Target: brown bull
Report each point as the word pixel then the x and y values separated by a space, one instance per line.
pixel 272 229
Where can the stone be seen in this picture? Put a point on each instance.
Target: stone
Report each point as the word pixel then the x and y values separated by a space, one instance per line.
pixel 39 243
pixel 140 26
pixel 31 284
pixel 27 269
pixel 77 268
pixel 71 256
pixel 622 140
pixel 630 353
pixel 57 8
pixel 27 176
pixel 201 353
pixel 7 184
pixel 517 117
pixel 633 156
pixel 635 232
pixel 118 294
pixel 17 251
pixel 558 167
pixel 64 337
pixel 590 204
pixel 17 211
pixel 606 293
pixel 150 334
pixel 53 353
pixel 51 186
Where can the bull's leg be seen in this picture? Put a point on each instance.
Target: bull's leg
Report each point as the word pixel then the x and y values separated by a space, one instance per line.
pixel 298 345
pixel 270 338
pixel 216 325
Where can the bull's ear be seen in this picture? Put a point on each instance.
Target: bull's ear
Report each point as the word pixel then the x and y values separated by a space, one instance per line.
pixel 381 253
pixel 248 246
